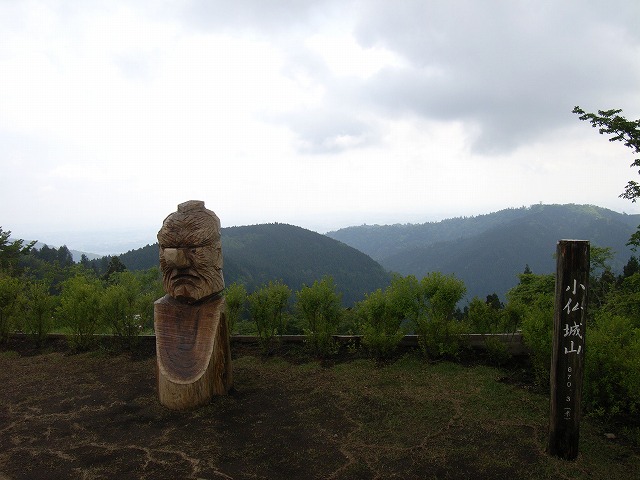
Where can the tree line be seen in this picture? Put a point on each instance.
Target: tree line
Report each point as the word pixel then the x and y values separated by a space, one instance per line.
pixel 45 291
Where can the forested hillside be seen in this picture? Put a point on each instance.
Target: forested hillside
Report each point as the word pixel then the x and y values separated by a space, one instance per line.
pixel 255 254
pixel 488 251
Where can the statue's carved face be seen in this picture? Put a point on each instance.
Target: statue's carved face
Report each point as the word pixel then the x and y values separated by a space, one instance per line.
pixel 191 254
pixel 190 272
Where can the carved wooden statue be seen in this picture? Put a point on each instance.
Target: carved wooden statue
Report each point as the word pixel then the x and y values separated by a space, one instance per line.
pixel 192 336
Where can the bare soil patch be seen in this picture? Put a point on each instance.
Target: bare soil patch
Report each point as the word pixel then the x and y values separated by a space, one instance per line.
pixel 95 415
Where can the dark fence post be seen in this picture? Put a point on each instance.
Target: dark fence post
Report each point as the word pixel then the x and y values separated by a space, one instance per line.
pixel 567 358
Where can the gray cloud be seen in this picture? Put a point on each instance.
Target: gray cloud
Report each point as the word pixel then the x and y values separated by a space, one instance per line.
pixel 512 71
pixel 329 131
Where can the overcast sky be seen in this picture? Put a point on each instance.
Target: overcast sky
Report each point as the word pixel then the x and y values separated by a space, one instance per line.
pixel 321 114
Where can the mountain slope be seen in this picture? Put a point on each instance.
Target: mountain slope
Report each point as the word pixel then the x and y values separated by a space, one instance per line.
pixel 254 255
pixel 491 250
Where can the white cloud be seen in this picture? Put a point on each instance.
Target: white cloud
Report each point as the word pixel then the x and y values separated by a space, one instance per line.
pixel 321 114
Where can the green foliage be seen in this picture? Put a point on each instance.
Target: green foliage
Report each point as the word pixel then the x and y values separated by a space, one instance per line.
pixel 382 314
pixel 482 317
pixel 496 350
pixel 531 301
pixel 320 306
pixel 267 305
pixel 612 367
pixel 492 317
pixel 439 334
pixel 79 310
pixel 626 131
pixel 531 289
pixel 10 290
pixel 246 327
pixel 537 333
pixel 37 311
pixel 127 304
pixel 115 266
pixel 10 251
pixel 235 298
pixel 608 122
pixel 625 299
pixel 440 337
pixel 381 331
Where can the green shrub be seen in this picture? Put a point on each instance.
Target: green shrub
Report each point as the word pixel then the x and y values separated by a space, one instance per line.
pixel 381 330
pixel 496 350
pixel 267 305
pixel 612 367
pixel 246 327
pixel 440 337
pixel 439 334
pixel 127 305
pixel 235 300
pixel 482 317
pixel 537 334
pixel 320 307
pixel 10 291
pixel 37 311
pixel 79 310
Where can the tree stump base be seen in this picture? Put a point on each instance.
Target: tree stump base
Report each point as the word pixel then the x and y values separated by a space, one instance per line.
pixel 193 352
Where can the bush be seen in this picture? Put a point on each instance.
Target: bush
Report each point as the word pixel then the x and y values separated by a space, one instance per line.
pixel 612 367
pixel 381 330
pixel 235 299
pixel 497 351
pixel 482 317
pixel 37 311
pixel 79 310
pixel 440 337
pixel 267 305
pixel 537 334
pixel 10 290
pixel 246 327
pixel 438 333
pixel 320 306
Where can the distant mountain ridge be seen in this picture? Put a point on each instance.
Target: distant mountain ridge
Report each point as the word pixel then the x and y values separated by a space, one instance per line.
pixel 488 251
pixel 256 254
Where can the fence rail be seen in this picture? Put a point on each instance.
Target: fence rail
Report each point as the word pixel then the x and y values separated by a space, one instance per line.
pixel 513 341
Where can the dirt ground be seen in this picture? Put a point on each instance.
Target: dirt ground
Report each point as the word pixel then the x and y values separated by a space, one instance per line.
pixel 95 415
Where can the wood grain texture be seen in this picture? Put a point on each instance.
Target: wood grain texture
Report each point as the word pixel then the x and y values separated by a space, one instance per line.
pixel 193 353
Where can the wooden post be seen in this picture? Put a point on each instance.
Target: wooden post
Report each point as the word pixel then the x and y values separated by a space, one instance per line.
pixel 567 358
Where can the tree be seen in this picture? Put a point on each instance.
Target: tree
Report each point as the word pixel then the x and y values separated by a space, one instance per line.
pixel 115 266
pixel 494 301
pixel 632 267
pixel 622 130
pixel 64 257
pixel 10 251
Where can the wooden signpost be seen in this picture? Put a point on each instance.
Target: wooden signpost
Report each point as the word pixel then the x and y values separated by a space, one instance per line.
pixel 567 358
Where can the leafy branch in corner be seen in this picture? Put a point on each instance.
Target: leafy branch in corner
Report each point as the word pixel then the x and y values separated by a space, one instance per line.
pixel 609 122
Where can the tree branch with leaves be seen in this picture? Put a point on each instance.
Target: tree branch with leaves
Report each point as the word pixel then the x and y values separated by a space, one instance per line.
pixel 609 122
